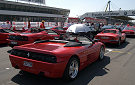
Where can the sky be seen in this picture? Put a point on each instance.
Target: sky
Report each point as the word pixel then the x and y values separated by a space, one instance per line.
pixel 79 7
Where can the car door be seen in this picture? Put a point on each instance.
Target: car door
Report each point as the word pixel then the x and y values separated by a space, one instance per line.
pixel 93 52
pixel 91 49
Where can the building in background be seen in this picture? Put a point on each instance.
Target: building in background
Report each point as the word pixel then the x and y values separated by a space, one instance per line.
pixel 112 17
pixel 23 12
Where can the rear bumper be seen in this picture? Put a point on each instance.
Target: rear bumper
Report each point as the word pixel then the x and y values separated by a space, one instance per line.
pixel 52 70
pixel 3 41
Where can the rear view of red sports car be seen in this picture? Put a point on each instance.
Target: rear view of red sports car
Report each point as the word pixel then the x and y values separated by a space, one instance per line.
pixel 59 30
pixel 111 36
pixel 31 36
pixel 129 30
pixel 57 58
pixel 4 32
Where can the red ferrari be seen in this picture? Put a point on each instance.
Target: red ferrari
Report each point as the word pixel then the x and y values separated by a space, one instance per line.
pixel 57 58
pixel 59 30
pixel 129 30
pixel 19 29
pixel 31 36
pixel 111 36
pixel 4 35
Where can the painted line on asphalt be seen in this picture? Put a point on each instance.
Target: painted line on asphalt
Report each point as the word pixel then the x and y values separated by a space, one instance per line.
pixel 121 52
pixel 7 68
pixel 109 50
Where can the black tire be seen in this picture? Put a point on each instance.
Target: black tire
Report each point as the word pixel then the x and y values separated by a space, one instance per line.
pixel 66 75
pixel 102 52
pixel 124 40
pixel 119 42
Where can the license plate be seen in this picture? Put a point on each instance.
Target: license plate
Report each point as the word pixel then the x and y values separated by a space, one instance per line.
pixel 14 43
pixel 28 64
pixel 105 37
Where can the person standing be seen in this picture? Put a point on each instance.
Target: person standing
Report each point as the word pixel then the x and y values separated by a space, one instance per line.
pixel 29 25
pixel 42 25
pixel 8 25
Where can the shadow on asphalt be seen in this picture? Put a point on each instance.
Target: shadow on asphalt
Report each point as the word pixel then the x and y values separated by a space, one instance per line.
pixel 84 77
pixel 130 36
pixel 3 45
pixel 123 45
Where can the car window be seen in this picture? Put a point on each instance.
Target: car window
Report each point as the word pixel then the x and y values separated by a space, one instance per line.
pixel 109 31
pixel 108 27
pixel 35 30
pixel 48 27
pixel 1 31
pixel 82 39
pixel 7 31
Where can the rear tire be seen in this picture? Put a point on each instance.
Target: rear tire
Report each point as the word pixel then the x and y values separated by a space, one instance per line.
pixel 124 40
pixel 71 70
pixel 102 52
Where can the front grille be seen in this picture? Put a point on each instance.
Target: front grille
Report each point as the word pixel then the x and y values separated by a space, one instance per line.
pixel 34 56
pixel 18 38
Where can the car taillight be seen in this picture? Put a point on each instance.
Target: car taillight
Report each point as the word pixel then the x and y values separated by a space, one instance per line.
pixel 34 56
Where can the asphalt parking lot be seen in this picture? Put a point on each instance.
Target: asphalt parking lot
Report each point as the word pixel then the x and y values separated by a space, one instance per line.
pixel 117 68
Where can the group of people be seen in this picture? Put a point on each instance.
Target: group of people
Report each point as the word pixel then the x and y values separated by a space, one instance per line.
pixel 96 26
pixel 8 25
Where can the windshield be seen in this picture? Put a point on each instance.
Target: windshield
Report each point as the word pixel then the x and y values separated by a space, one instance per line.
pixel 108 27
pixel 78 38
pixel 8 31
pixel 35 30
pixel 59 28
pixel 129 28
pixel 48 27
pixel 109 31
pixel 51 32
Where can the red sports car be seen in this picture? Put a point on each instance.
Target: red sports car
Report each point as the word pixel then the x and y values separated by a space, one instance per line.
pixel 19 29
pixel 111 36
pixel 4 35
pixel 59 30
pixel 35 34
pixel 129 30
pixel 57 58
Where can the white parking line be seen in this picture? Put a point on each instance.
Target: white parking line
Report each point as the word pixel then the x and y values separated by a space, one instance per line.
pixel 7 68
pixel 109 50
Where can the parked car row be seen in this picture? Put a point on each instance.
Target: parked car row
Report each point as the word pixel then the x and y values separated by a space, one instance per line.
pixel 56 57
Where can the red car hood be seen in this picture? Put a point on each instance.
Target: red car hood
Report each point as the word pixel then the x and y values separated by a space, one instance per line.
pixel 49 48
pixel 107 34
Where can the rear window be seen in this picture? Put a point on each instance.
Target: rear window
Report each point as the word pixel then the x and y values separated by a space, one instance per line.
pixel 129 28
pixel 109 31
pixel 108 27
pixel 51 32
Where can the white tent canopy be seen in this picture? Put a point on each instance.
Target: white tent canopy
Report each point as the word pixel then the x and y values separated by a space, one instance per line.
pixel 76 28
